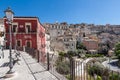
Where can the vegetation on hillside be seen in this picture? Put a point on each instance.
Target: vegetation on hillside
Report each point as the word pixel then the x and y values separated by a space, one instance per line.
pixel 117 52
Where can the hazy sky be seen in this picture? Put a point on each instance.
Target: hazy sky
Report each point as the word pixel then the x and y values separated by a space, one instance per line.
pixel 71 11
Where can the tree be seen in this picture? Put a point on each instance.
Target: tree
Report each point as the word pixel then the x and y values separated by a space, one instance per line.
pixel 114 76
pixel 108 44
pixel 80 45
pixel 117 49
pixel 104 48
pixel 61 55
pixel 117 52
pixel 63 67
pixel 71 54
pixel 96 68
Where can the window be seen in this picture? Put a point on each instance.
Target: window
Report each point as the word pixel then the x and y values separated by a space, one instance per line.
pixel 72 44
pixel 18 43
pixel 28 27
pixel 14 27
pixel 67 44
pixel 28 44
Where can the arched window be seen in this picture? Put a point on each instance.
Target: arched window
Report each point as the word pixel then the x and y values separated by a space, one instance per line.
pixel 28 44
pixel 19 42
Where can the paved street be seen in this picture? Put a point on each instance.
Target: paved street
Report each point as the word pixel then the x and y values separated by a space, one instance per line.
pixel 26 69
pixel 112 67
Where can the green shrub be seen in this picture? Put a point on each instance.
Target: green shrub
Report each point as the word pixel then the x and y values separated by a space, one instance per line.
pixel 118 63
pixel 117 50
pixel 61 56
pixel 99 78
pixel 68 77
pixel 114 76
pixel 101 59
pixel 92 70
pixel 94 55
pixel 98 69
pixel 63 67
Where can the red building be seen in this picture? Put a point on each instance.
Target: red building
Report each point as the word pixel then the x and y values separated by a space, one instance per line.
pixel 90 43
pixel 26 32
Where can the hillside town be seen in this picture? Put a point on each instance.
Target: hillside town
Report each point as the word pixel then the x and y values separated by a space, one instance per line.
pixel 92 36
pixel 57 39
pixel 33 50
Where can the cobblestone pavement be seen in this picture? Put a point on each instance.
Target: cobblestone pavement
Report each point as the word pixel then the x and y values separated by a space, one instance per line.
pixel 26 69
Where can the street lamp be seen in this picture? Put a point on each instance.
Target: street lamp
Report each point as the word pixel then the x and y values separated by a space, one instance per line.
pixel 9 15
pixel 15 41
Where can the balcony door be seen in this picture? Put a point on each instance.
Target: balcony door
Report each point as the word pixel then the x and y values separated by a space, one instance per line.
pixel 19 43
pixel 28 27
